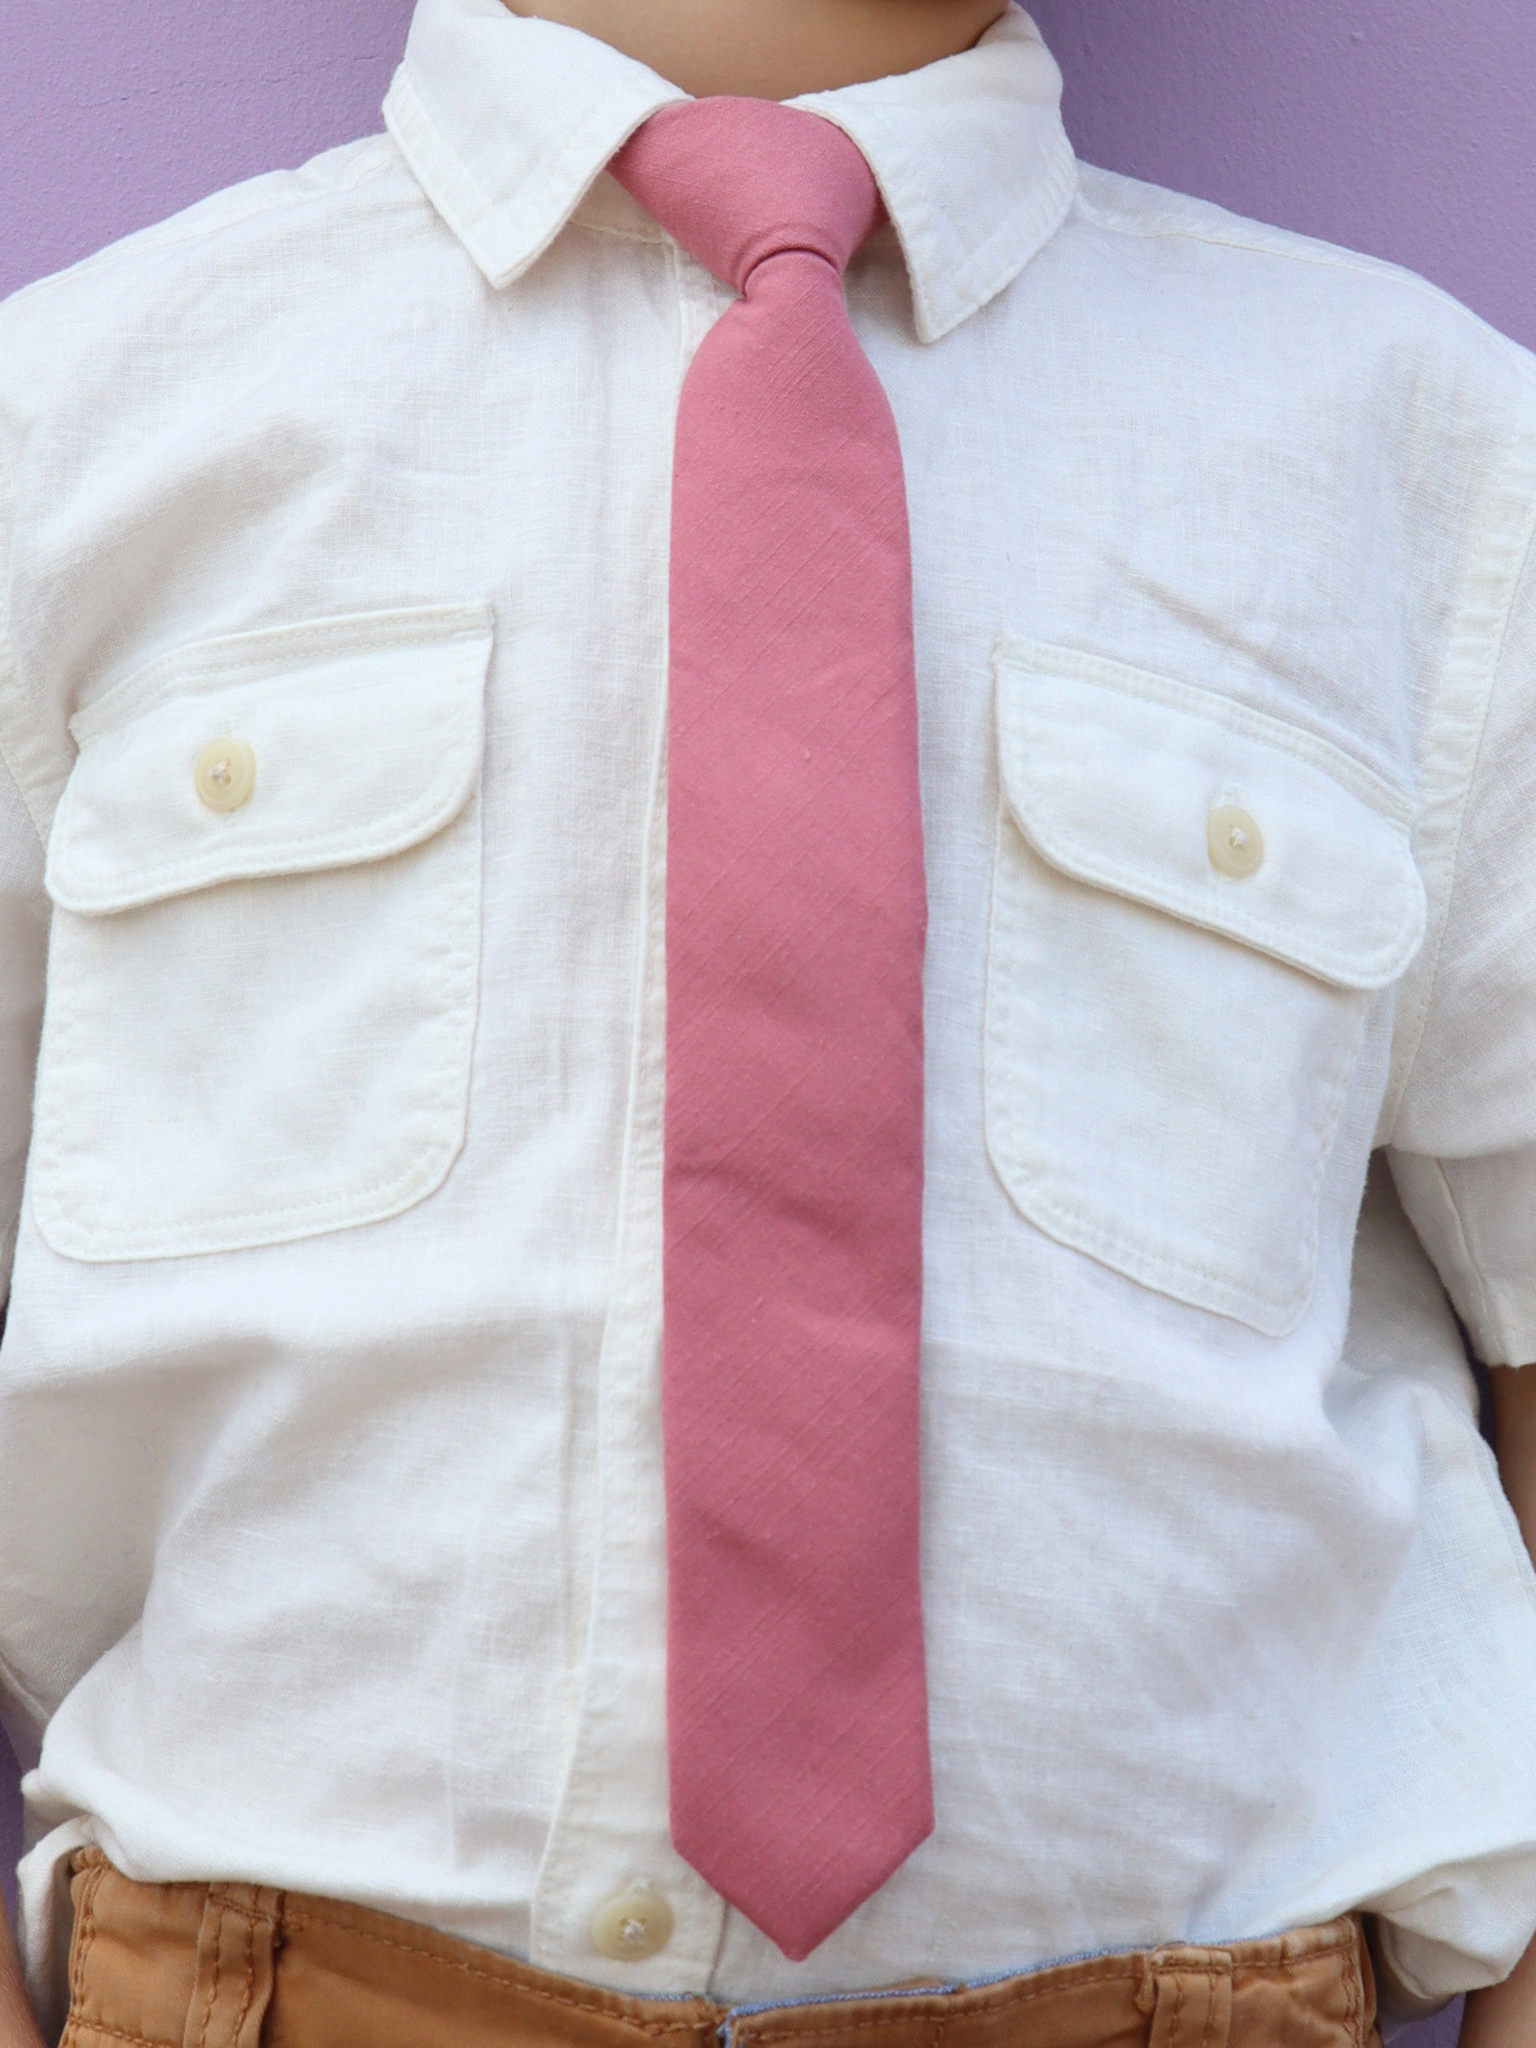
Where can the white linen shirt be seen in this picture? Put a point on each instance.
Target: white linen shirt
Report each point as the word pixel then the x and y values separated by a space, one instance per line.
pixel 331 1546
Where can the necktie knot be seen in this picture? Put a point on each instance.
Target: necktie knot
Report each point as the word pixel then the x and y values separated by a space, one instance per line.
pixel 740 180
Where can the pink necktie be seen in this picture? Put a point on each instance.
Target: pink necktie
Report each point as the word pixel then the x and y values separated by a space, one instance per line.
pixel 796 910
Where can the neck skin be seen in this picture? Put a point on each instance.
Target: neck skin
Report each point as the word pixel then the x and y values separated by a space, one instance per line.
pixel 775 49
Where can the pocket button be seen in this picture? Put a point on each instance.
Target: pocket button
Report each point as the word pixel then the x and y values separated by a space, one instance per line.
pixel 1235 841
pixel 226 774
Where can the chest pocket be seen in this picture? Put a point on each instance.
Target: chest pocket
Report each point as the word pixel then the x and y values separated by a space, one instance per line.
pixel 1191 905
pixel 264 967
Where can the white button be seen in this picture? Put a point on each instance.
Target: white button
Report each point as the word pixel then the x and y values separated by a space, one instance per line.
pixel 1235 841
pixel 226 774
pixel 633 1924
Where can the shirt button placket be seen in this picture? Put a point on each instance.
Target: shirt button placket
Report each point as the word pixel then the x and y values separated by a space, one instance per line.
pixel 592 1916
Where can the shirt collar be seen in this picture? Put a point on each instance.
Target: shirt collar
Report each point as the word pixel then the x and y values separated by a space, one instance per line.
pixel 507 120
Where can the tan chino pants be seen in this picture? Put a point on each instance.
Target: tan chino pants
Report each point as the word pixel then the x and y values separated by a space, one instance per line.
pixel 235 1965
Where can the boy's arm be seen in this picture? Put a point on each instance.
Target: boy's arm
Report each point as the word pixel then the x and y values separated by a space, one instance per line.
pixel 1514 1436
pixel 1462 1146
pixel 1505 2017
pixel 18 2029
pixel 23 937
pixel 23 954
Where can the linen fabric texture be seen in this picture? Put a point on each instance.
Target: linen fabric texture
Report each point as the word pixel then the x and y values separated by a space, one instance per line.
pixel 792 1194
pixel 1229 1628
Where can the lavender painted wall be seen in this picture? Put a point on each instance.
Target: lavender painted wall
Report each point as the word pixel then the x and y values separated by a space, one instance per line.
pixel 1400 126
pixel 118 114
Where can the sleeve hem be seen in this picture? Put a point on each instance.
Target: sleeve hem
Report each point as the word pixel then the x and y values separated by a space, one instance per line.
pixel 1499 1314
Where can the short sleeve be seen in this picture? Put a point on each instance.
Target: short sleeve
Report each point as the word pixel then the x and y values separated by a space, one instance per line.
pixel 1463 1142
pixel 23 916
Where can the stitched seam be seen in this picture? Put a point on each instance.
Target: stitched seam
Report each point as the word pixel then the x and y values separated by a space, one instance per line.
pixel 1485 1305
pixel 30 757
pixel 1101 672
pixel 423 1167
pixel 7 685
pixel 307 853
pixel 405 102
pixel 1026 1993
pixel 271 650
pixel 603 227
pixel 1320 257
pixel 1125 1247
pixel 1460 802
pixel 250 1978
pixel 298 853
pixel 992 264
pixel 1261 933
pixel 56 1143
pixel 263 656
pixel 1007 1116
pixel 78 2030
pixel 1456 798
pixel 1354 2017
pixel 298 1208
pixel 166 235
pixel 658 2028
pixel 991 268
pixel 632 1321
pixel 1128 1968
pixel 1212 1992
pixel 1015 719
pixel 85 1935
pixel 912 211
pixel 213 1985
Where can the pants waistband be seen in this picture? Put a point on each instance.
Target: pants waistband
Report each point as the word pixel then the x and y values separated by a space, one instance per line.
pixel 241 1966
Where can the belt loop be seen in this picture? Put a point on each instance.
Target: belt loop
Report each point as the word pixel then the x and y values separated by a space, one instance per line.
pixel 1189 1994
pixel 237 1948
pixel 1370 2002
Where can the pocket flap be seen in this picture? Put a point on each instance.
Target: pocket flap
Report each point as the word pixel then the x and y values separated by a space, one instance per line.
pixel 364 734
pixel 1112 775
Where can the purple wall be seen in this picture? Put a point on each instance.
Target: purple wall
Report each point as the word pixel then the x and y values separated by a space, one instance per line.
pixel 118 114
pixel 1400 126
pixel 1404 127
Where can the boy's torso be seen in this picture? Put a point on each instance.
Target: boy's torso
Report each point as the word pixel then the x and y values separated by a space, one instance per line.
pixel 333 1346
